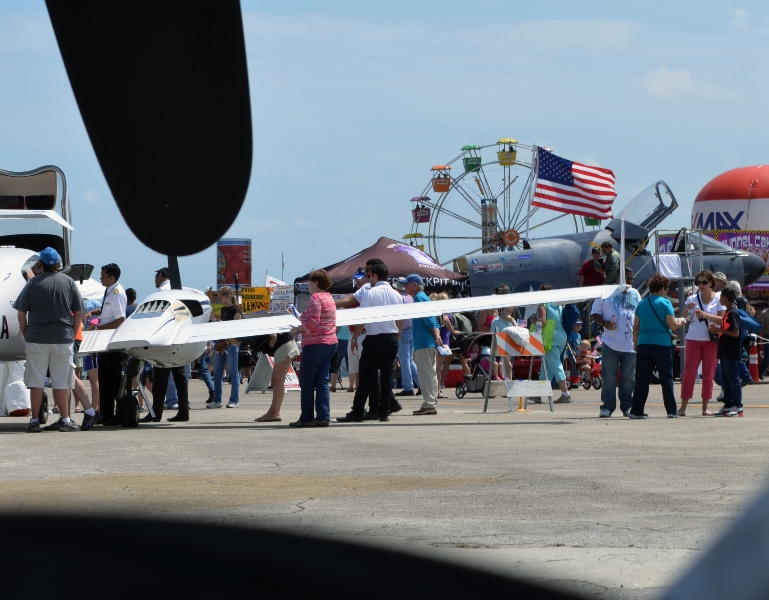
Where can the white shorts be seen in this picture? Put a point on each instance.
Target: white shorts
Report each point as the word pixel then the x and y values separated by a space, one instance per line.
pixel 288 350
pixel 53 358
pixel 353 359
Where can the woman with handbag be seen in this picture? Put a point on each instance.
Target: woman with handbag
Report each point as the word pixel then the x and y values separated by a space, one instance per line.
pixel 654 320
pixel 554 338
pixel 701 345
pixel 226 353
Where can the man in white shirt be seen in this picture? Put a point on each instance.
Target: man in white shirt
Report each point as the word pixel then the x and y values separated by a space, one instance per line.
pixel 163 279
pixel 111 316
pixel 616 315
pixel 381 348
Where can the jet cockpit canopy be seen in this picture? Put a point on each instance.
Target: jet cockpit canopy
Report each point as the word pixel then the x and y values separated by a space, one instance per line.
pixel 43 189
pixel 645 211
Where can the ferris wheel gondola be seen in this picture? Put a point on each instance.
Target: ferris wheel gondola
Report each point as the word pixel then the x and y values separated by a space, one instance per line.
pixel 485 208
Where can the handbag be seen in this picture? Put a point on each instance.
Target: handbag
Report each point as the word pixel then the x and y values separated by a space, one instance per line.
pixel 660 320
pixel 547 332
pixel 713 336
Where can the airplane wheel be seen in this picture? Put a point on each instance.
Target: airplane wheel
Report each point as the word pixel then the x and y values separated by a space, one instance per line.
pixel 43 414
pixel 129 412
pixel 461 390
pixel 598 382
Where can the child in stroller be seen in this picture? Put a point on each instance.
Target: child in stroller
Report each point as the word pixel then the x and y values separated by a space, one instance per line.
pixel 478 356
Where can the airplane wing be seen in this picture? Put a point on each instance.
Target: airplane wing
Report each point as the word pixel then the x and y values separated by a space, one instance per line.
pixel 374 314
pixel 96 341
pixel 222 330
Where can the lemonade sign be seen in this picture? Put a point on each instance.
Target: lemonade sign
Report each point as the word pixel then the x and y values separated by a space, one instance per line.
pixel 254 300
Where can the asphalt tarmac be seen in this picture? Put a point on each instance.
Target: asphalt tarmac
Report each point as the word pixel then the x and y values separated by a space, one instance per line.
pixel 607 508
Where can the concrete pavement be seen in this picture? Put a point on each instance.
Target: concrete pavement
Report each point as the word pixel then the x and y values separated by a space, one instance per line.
pixel 609 508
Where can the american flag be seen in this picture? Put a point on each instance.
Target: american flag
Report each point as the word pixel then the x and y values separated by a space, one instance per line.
pixel 572 187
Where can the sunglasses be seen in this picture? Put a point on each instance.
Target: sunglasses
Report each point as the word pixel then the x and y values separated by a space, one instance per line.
pixel 706 282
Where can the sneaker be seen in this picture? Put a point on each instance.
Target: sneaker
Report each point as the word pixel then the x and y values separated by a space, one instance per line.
pixel 55 410
pixel 604 414
pixel 419 392
pixel 563 399
pixel 673 416
pixel 643 416
pixel 732 412
pixel 214 405
pixel 142 409
pixel 405 393
pixel 535 399
pixel 52 426
pixel 722 411
pixel 34 428
pixel 626 413
pixel 71 426
pixel 88 422
pixel 232 405
pixel 226 379
pixel 173 406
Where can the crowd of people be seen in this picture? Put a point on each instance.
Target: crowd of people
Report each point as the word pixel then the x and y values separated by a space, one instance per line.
pixel 634 344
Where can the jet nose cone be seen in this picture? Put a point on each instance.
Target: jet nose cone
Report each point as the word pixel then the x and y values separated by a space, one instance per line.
pixel 754 268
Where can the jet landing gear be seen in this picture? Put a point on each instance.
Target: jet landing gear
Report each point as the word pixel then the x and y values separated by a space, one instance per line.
pixel 127 406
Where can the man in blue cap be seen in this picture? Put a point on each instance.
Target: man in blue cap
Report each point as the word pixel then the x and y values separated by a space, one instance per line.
pixel 48 307
pixel 426 334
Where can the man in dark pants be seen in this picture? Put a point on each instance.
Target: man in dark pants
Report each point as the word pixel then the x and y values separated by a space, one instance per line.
pixel 111 316
pixel 159 388
pixel 379 350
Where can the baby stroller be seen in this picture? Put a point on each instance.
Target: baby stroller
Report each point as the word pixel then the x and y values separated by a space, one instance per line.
pixel 480 366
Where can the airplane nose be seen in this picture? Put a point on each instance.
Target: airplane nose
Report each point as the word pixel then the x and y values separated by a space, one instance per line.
pixel 754 268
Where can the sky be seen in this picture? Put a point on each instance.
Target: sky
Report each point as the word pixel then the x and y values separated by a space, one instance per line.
pixel 353 102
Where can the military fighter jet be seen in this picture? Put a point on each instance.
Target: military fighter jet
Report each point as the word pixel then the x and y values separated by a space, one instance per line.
pixel 557 260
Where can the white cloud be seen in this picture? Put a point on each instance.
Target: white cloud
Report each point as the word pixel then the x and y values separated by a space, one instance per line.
pixel 664 83
pixel 91 198
pixel 740 19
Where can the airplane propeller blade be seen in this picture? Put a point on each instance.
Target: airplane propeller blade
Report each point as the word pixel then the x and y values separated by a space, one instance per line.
pixel 162 87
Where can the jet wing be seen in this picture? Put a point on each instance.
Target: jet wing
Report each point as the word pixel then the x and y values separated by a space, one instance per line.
pixel 222 330
pixel 96 341
pixel 373 314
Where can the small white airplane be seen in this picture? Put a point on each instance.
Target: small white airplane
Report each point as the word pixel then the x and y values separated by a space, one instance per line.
pixel 171 328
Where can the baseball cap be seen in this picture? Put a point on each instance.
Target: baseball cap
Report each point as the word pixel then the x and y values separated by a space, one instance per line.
pixel 49 257
pixel 164 272
pixel 717 275
pixel 359 276
pixel 413 278
pixel 595 249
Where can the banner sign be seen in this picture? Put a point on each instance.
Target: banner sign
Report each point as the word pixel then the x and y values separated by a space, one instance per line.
pixel 254 300
pixel 233 257
pixel 282 297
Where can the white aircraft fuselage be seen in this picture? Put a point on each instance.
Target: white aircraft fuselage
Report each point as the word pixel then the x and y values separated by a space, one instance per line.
pixel 158 330
pixel 12 263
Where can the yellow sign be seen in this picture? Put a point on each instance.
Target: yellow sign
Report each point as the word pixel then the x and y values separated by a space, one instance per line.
pixel 254 299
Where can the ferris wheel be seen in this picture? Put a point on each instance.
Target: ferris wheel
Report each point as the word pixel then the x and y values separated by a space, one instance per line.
pixel 484 208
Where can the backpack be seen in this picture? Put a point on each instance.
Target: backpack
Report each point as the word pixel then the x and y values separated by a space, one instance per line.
pixel 748 322
pixel 462 323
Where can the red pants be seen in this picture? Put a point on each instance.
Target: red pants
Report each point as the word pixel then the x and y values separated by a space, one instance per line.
pixel 696 352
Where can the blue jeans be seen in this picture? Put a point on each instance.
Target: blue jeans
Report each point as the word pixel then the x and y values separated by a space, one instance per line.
pixel 406 358
pixel 203 373
pixel 612 362
pixel 172 395
pixel 732 383
pixel 741 368
pixel 341 354
pixel 230 358
pixel 648 357
pixel 313 381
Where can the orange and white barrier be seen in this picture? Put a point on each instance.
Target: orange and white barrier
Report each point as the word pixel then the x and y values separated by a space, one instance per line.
pixel 507 347
pixel 753 362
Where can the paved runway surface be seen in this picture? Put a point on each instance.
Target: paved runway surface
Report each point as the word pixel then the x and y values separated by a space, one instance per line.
pixel 609 508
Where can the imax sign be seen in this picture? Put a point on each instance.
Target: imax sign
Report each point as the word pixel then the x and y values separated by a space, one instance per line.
pixel 717 220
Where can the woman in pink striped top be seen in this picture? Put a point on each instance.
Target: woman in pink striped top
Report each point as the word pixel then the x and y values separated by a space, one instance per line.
pixel 319 341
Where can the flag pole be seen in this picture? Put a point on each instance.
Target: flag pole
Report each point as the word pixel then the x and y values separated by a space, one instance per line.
pixel 622 254
pixel 534 169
